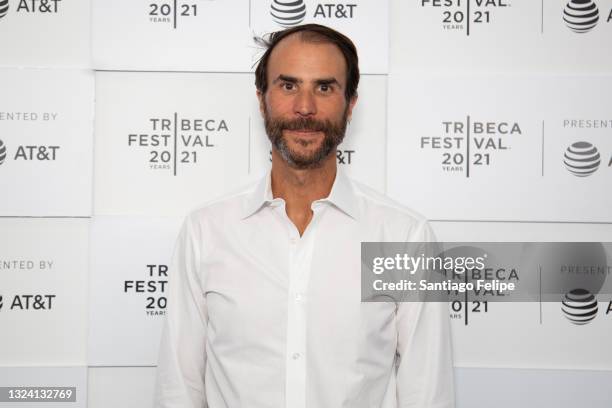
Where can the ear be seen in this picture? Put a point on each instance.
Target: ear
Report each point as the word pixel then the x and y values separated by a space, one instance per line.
pixel 351 105
pixel 262 100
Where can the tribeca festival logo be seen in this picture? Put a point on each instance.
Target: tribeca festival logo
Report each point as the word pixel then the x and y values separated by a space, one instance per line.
pixel 581 159
pixel 467 145
pixel 461 309
pixel 581 16
pixel 466 276
pixel 579 306
pixel 489 270
pixel 154 287
pixel 464 15
pixel 174 142
pixel 171 13
pixel 289 13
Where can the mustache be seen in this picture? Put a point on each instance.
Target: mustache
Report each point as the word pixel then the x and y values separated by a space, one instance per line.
pixel 304 124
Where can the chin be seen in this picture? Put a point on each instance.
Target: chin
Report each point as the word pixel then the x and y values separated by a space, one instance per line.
pixel 305 150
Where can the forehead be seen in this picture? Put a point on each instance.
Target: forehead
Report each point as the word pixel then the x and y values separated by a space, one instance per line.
pixel 306 59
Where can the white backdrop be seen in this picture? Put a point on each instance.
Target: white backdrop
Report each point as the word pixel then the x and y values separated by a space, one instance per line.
pixel 466 109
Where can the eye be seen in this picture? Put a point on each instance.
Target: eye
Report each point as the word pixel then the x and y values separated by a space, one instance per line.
pixel 326 88
pixel 288 86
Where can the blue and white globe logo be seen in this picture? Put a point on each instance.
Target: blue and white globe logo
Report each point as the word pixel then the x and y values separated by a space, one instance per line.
pixel 581 16
pixel 579 306
pixel 582 159
pixel 4 6
pixel 288 13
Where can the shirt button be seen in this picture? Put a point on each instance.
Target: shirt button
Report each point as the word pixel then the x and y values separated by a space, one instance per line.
pixel 295 356
pixel 298 297
pixel 293 241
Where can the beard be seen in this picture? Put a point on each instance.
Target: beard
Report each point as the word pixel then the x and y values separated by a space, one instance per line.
pixel 333 135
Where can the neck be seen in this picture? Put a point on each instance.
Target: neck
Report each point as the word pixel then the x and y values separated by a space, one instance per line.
pixel 300 187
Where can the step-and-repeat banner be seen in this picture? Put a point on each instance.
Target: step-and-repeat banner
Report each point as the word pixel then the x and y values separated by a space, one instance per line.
pixel 169 134
pixel 118 118
pixel 536 148
pixel 216 35
pixel 46 141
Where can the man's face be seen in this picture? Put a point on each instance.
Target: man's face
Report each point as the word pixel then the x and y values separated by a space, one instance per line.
pixel 304 108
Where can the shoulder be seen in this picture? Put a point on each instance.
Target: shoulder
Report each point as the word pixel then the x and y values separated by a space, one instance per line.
pixel 211 222
pixel 376 201
pixel 225 207
pixel 385 210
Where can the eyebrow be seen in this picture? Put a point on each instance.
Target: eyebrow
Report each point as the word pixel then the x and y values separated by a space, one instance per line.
pixel 287 78
pixel 294 80
pixel 327 81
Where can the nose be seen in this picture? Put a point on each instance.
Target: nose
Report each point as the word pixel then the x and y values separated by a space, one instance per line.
pixel 305 104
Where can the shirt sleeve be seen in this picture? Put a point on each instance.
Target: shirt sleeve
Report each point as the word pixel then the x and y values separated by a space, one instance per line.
pixel 424 367
pixel 182 352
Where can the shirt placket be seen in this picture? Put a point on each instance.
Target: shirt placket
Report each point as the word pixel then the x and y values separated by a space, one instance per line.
pixel 300 259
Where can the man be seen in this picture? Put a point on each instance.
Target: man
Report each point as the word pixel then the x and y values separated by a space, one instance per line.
pixel 264 304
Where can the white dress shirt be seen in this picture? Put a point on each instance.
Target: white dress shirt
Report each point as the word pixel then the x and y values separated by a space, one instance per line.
pixel 261 317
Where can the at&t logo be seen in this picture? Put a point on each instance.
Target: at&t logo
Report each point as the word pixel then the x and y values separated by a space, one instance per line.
pixel 342 156
pixel 582 159
pixel 31 6
pixel 288 13
pixel 579 306
pixel 38 6
pixel 4 7
pixel 34 302
pixel 30 153
pixel 2 152
pixel 581 16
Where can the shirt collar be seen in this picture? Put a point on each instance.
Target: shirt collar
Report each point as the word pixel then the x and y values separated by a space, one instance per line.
pixel 260 196
pixel 342 195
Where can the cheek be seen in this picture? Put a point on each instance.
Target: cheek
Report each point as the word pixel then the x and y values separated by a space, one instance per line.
pixel 335 108
pixel 278 104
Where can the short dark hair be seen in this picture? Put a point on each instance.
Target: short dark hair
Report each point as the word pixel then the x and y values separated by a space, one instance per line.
pixel 311 33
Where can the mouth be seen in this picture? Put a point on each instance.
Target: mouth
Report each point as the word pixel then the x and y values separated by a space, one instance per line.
pixel 304 133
